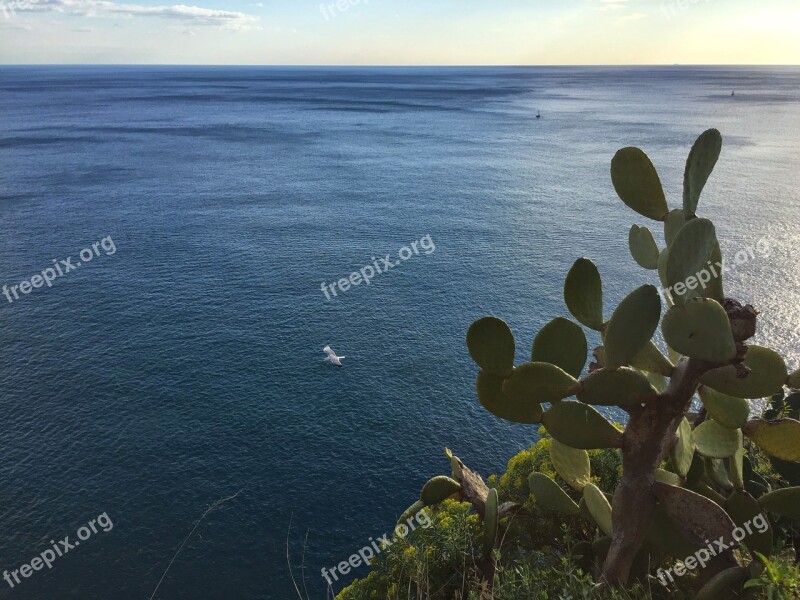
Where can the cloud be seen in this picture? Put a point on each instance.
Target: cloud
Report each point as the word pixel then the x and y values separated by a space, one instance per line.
pixel 104 8
pixel 611 4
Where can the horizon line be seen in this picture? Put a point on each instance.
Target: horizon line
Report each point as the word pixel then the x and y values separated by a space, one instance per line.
pixel 402 66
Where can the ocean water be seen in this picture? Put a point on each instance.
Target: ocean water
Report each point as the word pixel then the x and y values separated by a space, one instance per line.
pixel 185 366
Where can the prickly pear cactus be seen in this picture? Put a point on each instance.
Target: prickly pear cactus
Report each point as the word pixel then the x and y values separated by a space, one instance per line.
pixel 706 487
pixel 686 477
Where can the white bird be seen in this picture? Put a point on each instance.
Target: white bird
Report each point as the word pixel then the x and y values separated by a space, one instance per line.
pixel 332 358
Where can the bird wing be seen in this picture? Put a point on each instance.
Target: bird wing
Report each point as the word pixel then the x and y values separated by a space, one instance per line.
pixel 327 350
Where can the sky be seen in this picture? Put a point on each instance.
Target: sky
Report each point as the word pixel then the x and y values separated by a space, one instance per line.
pixel 400 32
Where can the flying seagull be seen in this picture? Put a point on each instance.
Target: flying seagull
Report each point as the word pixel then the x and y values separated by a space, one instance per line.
pixel 332 358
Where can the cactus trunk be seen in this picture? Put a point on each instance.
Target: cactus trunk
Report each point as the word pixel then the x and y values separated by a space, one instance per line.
pixel 648 438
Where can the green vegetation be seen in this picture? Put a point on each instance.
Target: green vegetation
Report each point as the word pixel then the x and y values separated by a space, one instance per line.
pixel 597 509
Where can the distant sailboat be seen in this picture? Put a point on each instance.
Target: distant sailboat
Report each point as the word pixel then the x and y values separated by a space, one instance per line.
pixel 538 115
pixel 733 93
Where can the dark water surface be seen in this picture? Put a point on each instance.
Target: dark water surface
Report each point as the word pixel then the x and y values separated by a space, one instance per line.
pixel 186 365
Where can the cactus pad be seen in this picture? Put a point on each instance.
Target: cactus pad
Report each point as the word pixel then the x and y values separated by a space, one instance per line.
pixel 675 220
pixel 491 345
pixel 702 160
pixel 643 247
pixel 780 439
pixel 411 511
pixel 562 343
pixel 743 508
pixel 583 293
pixel 538 382
pixel 784 502
pixel 766 377
pixel 688 256
pixel 700 329
pixel 599 508
pixel 571 464
pixel 550 495
pixel 637 183
pixel 715 441
pixel 728 411
pixel 580 426
pixel 632 325
pixel 651 360
pixel 725 584
pixel 682 452
pixel 620 387
pixel 697 517
pixel 493 399
pixel 438 490
pixel 491 521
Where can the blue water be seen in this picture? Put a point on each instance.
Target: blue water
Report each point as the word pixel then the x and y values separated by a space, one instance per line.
pixel 186 366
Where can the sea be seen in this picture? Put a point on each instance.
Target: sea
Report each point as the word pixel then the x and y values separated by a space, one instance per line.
pixel 165 405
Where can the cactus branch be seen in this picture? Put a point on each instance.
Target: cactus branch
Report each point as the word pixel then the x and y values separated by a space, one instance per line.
pixel 634 501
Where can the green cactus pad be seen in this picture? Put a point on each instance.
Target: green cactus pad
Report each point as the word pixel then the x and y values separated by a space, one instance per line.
pixel 438 490
pixel 707 492
pixel 794 380
pixel 682 452
pixel 491 521
pixel 651 360
pixel 743 508
pixel 725 584
pixel 578 425
pixel 668 477
pixel 631 326
pixel 571 464
pixel 562 343
pixel 663 257
pixel 716 470
pixel 780 438
pixel 784 502
pixel 715 441
pixel 411 511
pixel 643 247
pixel 637 183
pixel 728 411
pixel 599 508
pixel 700 329
pixel 701 162
pixel 688 257
pixel 455 465
pixel 619 387
pixel 493 399
pixel 697 517
pixel 664 539
pixel 549 495
pixel 714 288
pixel 659 382
pixel 766 377
pixel 538 382
pixel 736 467
pixel 675 220
pixel 583 293
pixel 491 345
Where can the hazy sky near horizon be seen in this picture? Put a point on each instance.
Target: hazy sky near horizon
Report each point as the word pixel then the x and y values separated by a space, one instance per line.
pixel 401 32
